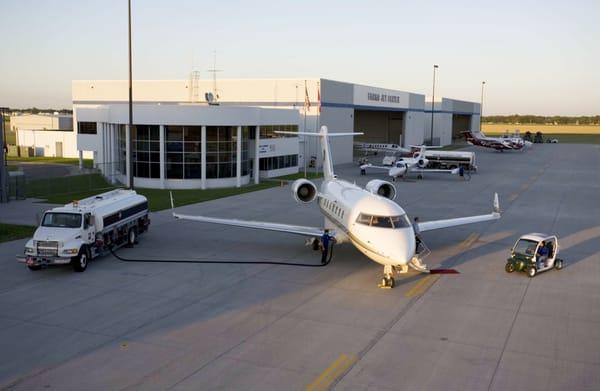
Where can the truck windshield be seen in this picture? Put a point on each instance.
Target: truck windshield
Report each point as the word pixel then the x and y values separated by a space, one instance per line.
pixel 62 220
pixel 384 221
pixel 525 247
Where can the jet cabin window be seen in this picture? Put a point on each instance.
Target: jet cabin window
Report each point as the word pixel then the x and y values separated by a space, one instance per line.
pixel 384 221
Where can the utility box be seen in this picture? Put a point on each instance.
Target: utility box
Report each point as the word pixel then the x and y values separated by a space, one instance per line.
pixel 16 185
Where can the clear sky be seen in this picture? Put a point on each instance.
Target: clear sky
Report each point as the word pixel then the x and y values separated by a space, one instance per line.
pixel 537 57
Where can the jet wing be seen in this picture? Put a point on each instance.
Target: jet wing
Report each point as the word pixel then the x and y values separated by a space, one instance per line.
pixel 369 165
pixel 287 228
pixel 292 229
pixel 435 170
pixel 437 224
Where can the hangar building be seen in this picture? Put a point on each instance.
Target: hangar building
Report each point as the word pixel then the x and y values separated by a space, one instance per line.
pixel 383 115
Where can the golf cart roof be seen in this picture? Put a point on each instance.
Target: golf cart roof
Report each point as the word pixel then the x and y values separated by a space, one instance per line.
pixel 538 237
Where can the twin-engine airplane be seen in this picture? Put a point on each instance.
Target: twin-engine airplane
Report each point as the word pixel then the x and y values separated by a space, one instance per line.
pixel 368 218
pixel 497 143
pixel 407 165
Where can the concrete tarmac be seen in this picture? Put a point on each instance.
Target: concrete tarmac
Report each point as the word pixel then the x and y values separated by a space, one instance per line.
pixel 260 327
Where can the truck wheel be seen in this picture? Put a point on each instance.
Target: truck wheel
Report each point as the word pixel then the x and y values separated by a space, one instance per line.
pixel 558 264
pixel 80 262
pixel 532 271
pixel 131 237
pixel 509 267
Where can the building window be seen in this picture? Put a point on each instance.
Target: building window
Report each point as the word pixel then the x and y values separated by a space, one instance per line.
pixel 146 151
pixel 278 162
pixel 221 151
pixel 268 131
pixel 86 128
pixel 184 152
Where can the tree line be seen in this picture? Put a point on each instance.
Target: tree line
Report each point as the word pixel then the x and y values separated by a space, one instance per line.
pixel 35 110
pixel 542 120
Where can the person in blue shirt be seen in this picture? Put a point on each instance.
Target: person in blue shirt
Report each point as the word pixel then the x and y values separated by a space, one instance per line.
pixel 542 255
pixel 325 240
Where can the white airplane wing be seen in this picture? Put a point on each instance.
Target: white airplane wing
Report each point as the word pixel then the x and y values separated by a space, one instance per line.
pixel 369 165
pixel 437 224
pixel 292 229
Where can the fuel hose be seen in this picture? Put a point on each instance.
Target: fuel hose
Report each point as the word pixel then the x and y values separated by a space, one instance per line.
pixel 207 260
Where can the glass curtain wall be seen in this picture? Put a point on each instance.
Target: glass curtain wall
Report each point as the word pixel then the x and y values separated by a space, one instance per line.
pixel 184 153
pixel 221 151
pixel 146 151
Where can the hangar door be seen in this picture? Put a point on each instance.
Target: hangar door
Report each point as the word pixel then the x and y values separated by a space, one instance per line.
pixel 379 126
pixel 460 123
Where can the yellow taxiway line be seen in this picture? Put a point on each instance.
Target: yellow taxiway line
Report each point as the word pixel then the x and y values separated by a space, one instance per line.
pixel 332 373
pixel 422 286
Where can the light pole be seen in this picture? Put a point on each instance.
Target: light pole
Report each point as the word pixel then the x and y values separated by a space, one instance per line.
pixel 130 131
pixel 481 107
pixel 432 102
pixel 3 168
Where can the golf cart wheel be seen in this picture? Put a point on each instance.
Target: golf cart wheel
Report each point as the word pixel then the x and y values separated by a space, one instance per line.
pixel 532 271
pixel 558 264
pixel 509 267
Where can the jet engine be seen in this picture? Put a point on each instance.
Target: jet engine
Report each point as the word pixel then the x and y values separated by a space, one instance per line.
pixel 304 191
pixel 382 188
pixel 422 162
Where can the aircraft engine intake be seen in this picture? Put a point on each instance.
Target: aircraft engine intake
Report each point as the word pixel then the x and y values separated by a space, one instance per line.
pixel 422 162
pixel 382 188
pixel 304 191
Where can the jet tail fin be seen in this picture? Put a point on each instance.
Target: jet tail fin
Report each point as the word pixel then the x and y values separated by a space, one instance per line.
pixel 324 136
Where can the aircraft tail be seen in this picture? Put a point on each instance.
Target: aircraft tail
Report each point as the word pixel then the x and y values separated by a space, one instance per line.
pixel 324 136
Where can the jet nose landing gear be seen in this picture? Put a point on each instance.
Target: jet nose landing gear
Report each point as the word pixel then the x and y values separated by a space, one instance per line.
pixel 387 282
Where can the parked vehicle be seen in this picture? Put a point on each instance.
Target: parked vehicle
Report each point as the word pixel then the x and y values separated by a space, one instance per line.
pixel 525 257
pixel 451 159
pixel 83 230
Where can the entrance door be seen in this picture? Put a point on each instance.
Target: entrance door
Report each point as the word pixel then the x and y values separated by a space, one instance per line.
pixel 59 149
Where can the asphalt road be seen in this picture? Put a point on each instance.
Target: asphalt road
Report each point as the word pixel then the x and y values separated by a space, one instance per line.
pixel 257 327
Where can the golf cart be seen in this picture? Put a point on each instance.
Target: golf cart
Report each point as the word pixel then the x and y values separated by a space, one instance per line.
pixel 524 255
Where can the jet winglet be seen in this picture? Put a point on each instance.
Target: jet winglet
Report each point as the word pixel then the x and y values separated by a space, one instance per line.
pixel 172 204
pixel 496 204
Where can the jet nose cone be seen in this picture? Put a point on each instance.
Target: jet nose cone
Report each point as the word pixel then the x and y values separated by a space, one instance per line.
pixel 405 246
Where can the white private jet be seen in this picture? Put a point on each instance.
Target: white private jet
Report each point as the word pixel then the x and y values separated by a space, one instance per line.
pixel 380 147
pixel 407 165
pixel 368 218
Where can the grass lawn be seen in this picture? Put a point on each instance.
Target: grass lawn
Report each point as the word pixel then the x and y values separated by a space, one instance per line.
pixel 12 232
pixel 158 199
pixel 66 189
pixel 63 190
pixel 293 177
pixel 87 163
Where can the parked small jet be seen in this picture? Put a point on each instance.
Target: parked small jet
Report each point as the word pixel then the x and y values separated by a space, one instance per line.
pixel 380 147
pixel 407 165
pixel 368 218
pixel 497 143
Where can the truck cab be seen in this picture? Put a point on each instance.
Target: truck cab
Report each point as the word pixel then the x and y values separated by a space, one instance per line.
pixel 533 253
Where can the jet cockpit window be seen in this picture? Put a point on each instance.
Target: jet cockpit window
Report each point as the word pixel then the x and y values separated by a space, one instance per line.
pixel 384 221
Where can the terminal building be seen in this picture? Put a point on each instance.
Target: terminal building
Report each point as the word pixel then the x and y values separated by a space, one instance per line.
pixel 242 117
